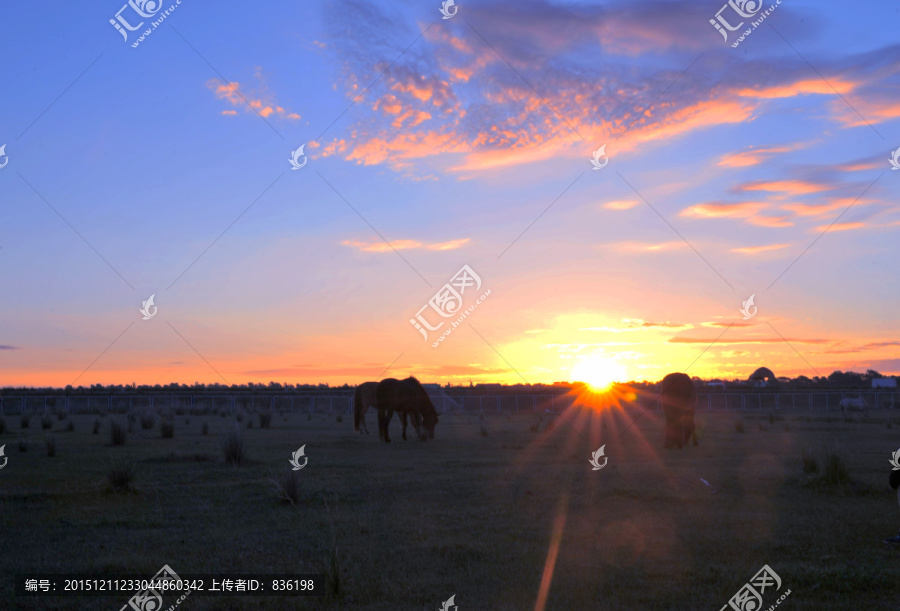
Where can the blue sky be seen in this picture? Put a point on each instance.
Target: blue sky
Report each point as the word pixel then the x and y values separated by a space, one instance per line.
pixel 726 164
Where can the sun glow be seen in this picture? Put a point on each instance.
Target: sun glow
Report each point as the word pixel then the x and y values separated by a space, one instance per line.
pixel 598 371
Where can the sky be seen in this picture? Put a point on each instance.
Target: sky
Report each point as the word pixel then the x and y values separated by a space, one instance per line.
pixel 618 178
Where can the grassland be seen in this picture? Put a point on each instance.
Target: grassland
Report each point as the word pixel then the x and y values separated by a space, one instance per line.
pixel 485 515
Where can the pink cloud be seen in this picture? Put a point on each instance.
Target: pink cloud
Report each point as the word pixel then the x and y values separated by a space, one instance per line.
pixel 381 246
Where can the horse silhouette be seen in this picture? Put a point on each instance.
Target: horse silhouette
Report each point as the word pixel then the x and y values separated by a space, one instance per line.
pixel 363 399
pixel 409 399
pixel 678 398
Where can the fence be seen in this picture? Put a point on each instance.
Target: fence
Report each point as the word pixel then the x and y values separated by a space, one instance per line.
pixel 444 402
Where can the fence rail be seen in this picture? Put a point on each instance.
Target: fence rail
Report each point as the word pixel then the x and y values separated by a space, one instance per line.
pixel 444 402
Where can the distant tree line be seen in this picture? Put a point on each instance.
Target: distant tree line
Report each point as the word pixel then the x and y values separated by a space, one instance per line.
pixel 837 379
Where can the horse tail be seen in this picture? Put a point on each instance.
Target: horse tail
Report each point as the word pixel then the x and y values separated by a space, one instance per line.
pixel 357 408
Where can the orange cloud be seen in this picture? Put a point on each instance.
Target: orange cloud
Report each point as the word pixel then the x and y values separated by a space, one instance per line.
pixel 791 187
pixel 804 87
pixel 648 247
pixel 840 227
pixel 621 204
pixel 262 102
pixel 755 250
pixel 770 221
pixel 721 209
pixel 405 245
pixel 753 156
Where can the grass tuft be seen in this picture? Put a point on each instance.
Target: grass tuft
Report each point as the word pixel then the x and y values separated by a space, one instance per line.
pixel 97 425
pixel 70 427
pixel 24 421
pixel 205 430
pixel 120 475
pixel 51 446
pixel 233 446
pixel 147 421
pixel 46 423
pixel 167 429
pixel 288 485
pixel 117 432
pixel 835 472
pixel 739 426
pixel 265 419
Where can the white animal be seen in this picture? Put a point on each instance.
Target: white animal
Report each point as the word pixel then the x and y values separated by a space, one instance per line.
pixel 854 405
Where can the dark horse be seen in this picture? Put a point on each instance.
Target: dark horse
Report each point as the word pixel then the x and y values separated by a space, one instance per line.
pixel 679 400
pixel 362 401
pixel 409 398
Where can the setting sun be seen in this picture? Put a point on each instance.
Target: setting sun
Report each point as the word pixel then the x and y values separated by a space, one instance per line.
pixel 598 371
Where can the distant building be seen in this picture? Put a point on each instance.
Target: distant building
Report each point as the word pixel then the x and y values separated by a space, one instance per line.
pixel 884 383
pixel 715 384
pixel 762 377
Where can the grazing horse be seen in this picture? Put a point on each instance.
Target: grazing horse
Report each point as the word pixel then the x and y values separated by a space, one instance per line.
pixel 854 405
pixel 363 399
pixel 409 398
pixel 679 400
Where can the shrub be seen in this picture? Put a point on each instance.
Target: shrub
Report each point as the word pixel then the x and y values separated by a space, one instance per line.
pixel 61 414
pixel 265 419
pixel 131 417
pixel 117 432
pixel 120 475
pixel 309 416
pixel 223 413
pixel 147 420
pixel 23 447
pixel 340 418
pixel 483 425
pixel 97 425
pixel 24 421
pixel 810 464
pixel 167 429
pixel 206 428
pixel 249 423
pixel 233 446
pixel 835 472
pixel 187 421
pixel 46 423
pixel 288 485
pixel 51 446
pixel 771 418
pixel 240 415
pixel 179 411
pixel 70 427
pixel 2 425
pixel 739 426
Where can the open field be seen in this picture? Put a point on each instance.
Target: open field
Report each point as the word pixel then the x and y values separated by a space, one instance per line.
pixel 479 516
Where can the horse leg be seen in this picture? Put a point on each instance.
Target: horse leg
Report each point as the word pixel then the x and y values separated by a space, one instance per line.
pixel 403 420
pixel 387 424
pixel 417 422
